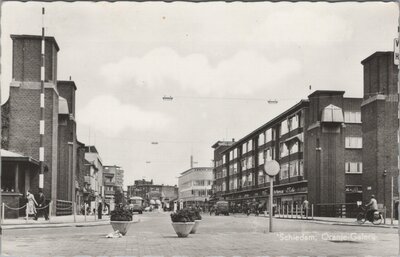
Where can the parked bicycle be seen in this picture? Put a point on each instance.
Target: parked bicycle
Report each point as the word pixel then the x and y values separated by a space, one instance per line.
pixel 377 217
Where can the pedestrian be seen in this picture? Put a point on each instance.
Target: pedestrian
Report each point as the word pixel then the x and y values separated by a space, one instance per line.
pixel 42 208
pixel 30 205
pixel 305 206
pixel 99 211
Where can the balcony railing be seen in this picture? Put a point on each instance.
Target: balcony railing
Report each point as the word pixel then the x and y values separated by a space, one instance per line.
pixel 109 192
pixel 87 179
pixel 108 183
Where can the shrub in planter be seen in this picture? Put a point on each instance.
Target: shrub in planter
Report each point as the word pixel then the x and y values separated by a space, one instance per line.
pixel 121 214
pixel 121 219
pixel 182 222
pixel 195 213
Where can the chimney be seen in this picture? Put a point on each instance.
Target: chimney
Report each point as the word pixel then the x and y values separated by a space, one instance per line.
pixel 233 140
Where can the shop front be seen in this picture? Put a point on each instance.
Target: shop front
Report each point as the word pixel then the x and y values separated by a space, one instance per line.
pixel 19 174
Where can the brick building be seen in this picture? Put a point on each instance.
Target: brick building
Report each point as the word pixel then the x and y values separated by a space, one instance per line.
pixel 344 147
pixel 21 115
pixel 379 126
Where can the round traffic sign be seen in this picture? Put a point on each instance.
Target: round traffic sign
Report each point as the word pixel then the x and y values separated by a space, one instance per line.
pixel 272 168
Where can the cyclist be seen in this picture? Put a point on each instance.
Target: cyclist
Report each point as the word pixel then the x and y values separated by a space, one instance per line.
pixel 374 207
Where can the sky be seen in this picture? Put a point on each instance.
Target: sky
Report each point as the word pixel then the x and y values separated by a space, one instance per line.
pixel 221 63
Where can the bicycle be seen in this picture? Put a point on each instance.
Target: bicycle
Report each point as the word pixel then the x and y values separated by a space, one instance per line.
pixel 362 217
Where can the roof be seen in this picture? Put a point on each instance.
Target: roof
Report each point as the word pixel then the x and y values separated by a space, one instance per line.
pixel 198 169
pixel 223 143
pixel 12 156
pixel 326 92
pixel 66 83
pixel 36 37
pixel 376 54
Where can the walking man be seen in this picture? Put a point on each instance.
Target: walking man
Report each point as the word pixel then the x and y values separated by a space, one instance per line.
pixel 42 210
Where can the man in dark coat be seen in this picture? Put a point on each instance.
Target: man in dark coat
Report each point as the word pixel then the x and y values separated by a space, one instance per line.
pixel 99 211
pixel 41 201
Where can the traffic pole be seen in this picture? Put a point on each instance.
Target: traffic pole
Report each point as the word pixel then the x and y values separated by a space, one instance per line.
pixel 271 197
pixel 398 122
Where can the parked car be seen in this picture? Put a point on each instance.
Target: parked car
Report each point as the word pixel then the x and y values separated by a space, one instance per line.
pixel 222 207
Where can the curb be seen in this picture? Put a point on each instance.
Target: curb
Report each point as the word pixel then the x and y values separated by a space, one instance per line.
pixel 336 223
pixel 53 225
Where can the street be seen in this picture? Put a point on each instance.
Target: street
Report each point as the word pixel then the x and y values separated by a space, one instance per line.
pixel 235 235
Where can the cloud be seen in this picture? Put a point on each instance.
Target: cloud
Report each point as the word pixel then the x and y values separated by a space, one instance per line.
pixel 302 27
pixel 106 114
pixel 242 73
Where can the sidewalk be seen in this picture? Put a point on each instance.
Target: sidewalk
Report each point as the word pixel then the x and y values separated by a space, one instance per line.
pixel 55 221
pixel 346 221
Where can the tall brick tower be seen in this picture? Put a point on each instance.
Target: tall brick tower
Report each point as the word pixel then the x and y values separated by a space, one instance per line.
pixel 24 104
pixel 379 126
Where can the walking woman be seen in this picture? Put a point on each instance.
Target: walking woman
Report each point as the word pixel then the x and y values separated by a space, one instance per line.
pixel 30 205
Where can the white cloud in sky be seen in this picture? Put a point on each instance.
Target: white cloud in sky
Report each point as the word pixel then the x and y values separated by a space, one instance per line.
pixel 242 73
pixel 302 27
pixel 108 115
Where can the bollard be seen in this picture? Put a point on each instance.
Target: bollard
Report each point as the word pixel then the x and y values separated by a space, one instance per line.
pixel 50 210
pixel 26 211
pixel 74 210
pixel 301 212
pixel 2 213
pixel 312 211
pixel 85 211
pixel 291 211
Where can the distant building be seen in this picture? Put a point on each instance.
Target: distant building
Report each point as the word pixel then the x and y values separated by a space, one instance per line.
pixel 195 186
pixel 153 193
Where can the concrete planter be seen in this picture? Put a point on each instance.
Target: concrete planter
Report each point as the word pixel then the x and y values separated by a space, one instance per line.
pixel 182 229
pixel 196 225
pixel 121 226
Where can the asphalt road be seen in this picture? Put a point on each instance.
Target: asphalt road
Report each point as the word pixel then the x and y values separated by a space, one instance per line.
pixel 237 235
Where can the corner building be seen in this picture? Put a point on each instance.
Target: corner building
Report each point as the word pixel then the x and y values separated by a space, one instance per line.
pixel 317 143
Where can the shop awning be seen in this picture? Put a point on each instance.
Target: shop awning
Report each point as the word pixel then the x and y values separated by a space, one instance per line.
pixel 16 157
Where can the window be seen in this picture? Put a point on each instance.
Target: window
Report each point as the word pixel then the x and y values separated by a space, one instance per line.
pixel 250 145
pixel 231 155
pixel 244 164
pixel 352 117
pixel 284 127
pixel 268 154
pixel 235 155
pixel 244 181
pixel 250 162
pixel 261 139
pixel 223 172
pixel 260 158
pixel 353 167
pixel 223 186
pixel 244 148
pixel 261 177
pixel 223 159
pixel 353 142
pixel 301 168
pixel 235 168
pixel 268 135
pixel 284 150
pixel 250 181
pixel 284 173
pixel 294 169
pixel 294 148
pixel 294 122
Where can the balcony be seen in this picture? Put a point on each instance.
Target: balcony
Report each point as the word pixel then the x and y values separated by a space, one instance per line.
pixel 109 192
pixel 108 183
pixel 87 180
pixel 109 175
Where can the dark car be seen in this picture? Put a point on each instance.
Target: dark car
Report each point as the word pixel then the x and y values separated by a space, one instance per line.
pixel 222 207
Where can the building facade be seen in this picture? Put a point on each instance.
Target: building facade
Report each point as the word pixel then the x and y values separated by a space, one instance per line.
pixel 317 143
pixel 195 186
pixel 344 147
